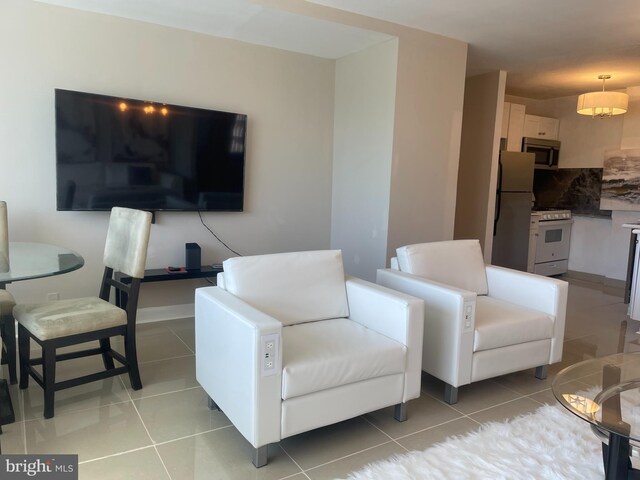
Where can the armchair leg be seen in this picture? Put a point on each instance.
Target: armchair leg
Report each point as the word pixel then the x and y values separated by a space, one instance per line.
pixel 259 456
pixel 400 412
pixel 450 394
pixel 541 372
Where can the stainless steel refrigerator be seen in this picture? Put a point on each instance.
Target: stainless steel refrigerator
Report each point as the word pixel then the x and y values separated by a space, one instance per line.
pixel 513 210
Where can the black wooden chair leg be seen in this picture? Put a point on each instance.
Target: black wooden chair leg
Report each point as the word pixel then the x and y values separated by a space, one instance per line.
pixel 10 343
pixel 107 360
pixel 132 360
pixel 49 377
pixel 24 346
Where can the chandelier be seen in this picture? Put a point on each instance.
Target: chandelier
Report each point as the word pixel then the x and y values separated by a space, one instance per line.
pixel 603 104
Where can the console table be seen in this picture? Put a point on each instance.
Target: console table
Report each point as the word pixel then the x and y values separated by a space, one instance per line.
pixel 162 275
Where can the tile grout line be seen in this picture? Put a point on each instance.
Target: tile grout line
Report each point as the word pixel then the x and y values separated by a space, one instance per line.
pixel 180 338
pixel 84 462
pixel 433 426
pixel 383 432
pixel 153 443
pixel 164 442
pixel 24 422
pixel 294 462
pixel 348 456
pixel 168 358
pixel 166 393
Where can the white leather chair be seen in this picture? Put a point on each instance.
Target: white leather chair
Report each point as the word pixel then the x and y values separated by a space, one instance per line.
pixel 286 344
pixel 481 321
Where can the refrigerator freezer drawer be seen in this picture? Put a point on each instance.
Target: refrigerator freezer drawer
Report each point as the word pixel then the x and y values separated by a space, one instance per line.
pixel 551 268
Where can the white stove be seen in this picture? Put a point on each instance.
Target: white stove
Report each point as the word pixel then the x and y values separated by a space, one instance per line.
pixel 548 215
pixel 549 238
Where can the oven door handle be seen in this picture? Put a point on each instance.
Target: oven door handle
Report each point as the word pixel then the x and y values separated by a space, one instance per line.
pixel 554 223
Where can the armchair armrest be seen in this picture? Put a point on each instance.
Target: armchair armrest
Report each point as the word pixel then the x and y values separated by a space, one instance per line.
pixel 395 315
pixel 536 292
pixel 449 322
pixel 229 363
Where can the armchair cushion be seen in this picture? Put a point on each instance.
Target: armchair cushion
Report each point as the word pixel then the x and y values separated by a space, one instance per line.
pixel 500 324
pixel 322 355
pixel 293 287
pixel 457 262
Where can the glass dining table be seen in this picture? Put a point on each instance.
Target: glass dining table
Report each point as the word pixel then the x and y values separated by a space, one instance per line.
pixel 28 261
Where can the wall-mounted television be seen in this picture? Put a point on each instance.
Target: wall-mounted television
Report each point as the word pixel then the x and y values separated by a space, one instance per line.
pixel 114 151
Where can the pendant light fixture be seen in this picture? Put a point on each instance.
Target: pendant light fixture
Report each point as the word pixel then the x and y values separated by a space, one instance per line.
pixel 603 104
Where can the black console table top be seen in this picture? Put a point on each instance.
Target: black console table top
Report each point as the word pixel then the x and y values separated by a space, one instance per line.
pixel 162 275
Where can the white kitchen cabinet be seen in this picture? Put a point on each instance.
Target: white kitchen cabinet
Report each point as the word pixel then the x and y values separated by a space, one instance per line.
pixel 541 127
pixel 515 126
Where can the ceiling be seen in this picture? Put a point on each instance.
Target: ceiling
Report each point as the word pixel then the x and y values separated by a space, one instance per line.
pixel 549 48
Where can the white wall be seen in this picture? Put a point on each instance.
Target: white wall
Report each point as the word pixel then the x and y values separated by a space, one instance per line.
pixel 365 91
pixel 479 150
pixel 288 98
pixel 427 125
pixel 426 146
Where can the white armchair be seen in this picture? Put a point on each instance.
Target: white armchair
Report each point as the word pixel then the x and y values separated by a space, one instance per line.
pixel 286 344
pixel 481 321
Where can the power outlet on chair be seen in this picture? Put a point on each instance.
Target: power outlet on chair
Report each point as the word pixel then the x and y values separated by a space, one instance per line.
pixel 269 345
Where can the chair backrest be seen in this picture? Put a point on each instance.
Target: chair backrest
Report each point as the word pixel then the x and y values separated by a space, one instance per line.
pixel 4 238
pixel 127 239
pixel 458 263
pixel 292 287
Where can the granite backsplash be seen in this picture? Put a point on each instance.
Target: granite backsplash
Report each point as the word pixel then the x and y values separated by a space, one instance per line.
pixel 575 189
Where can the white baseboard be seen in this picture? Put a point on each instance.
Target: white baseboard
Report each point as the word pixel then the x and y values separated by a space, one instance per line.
pixel 170 312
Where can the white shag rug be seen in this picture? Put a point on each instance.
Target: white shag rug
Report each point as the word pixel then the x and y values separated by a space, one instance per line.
pixel 550 443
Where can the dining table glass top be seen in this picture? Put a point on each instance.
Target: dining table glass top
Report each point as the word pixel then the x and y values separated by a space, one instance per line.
pixel 604 392
pixel 36 260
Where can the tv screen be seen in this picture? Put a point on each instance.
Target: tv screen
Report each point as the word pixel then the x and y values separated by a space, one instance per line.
pixel 113 151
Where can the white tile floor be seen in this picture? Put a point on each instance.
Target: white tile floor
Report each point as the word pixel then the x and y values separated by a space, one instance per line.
pixel 165 430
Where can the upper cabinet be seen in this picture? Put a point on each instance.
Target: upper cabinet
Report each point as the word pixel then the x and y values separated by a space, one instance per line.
pixel 541 127
pixel 513 125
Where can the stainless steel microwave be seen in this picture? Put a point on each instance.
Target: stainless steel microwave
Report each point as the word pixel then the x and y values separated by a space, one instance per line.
pixel 547 152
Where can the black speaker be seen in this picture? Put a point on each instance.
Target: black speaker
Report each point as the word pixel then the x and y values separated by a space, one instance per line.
pixel 192 256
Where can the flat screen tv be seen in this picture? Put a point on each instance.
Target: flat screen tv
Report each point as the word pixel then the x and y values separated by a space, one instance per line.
pixel 113 151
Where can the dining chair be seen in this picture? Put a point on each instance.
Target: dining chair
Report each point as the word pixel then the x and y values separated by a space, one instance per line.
pixel 61 323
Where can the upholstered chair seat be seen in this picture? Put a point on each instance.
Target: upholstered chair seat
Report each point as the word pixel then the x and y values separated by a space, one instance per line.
pixel 481 321
pixel 69 317
pixel 286 343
